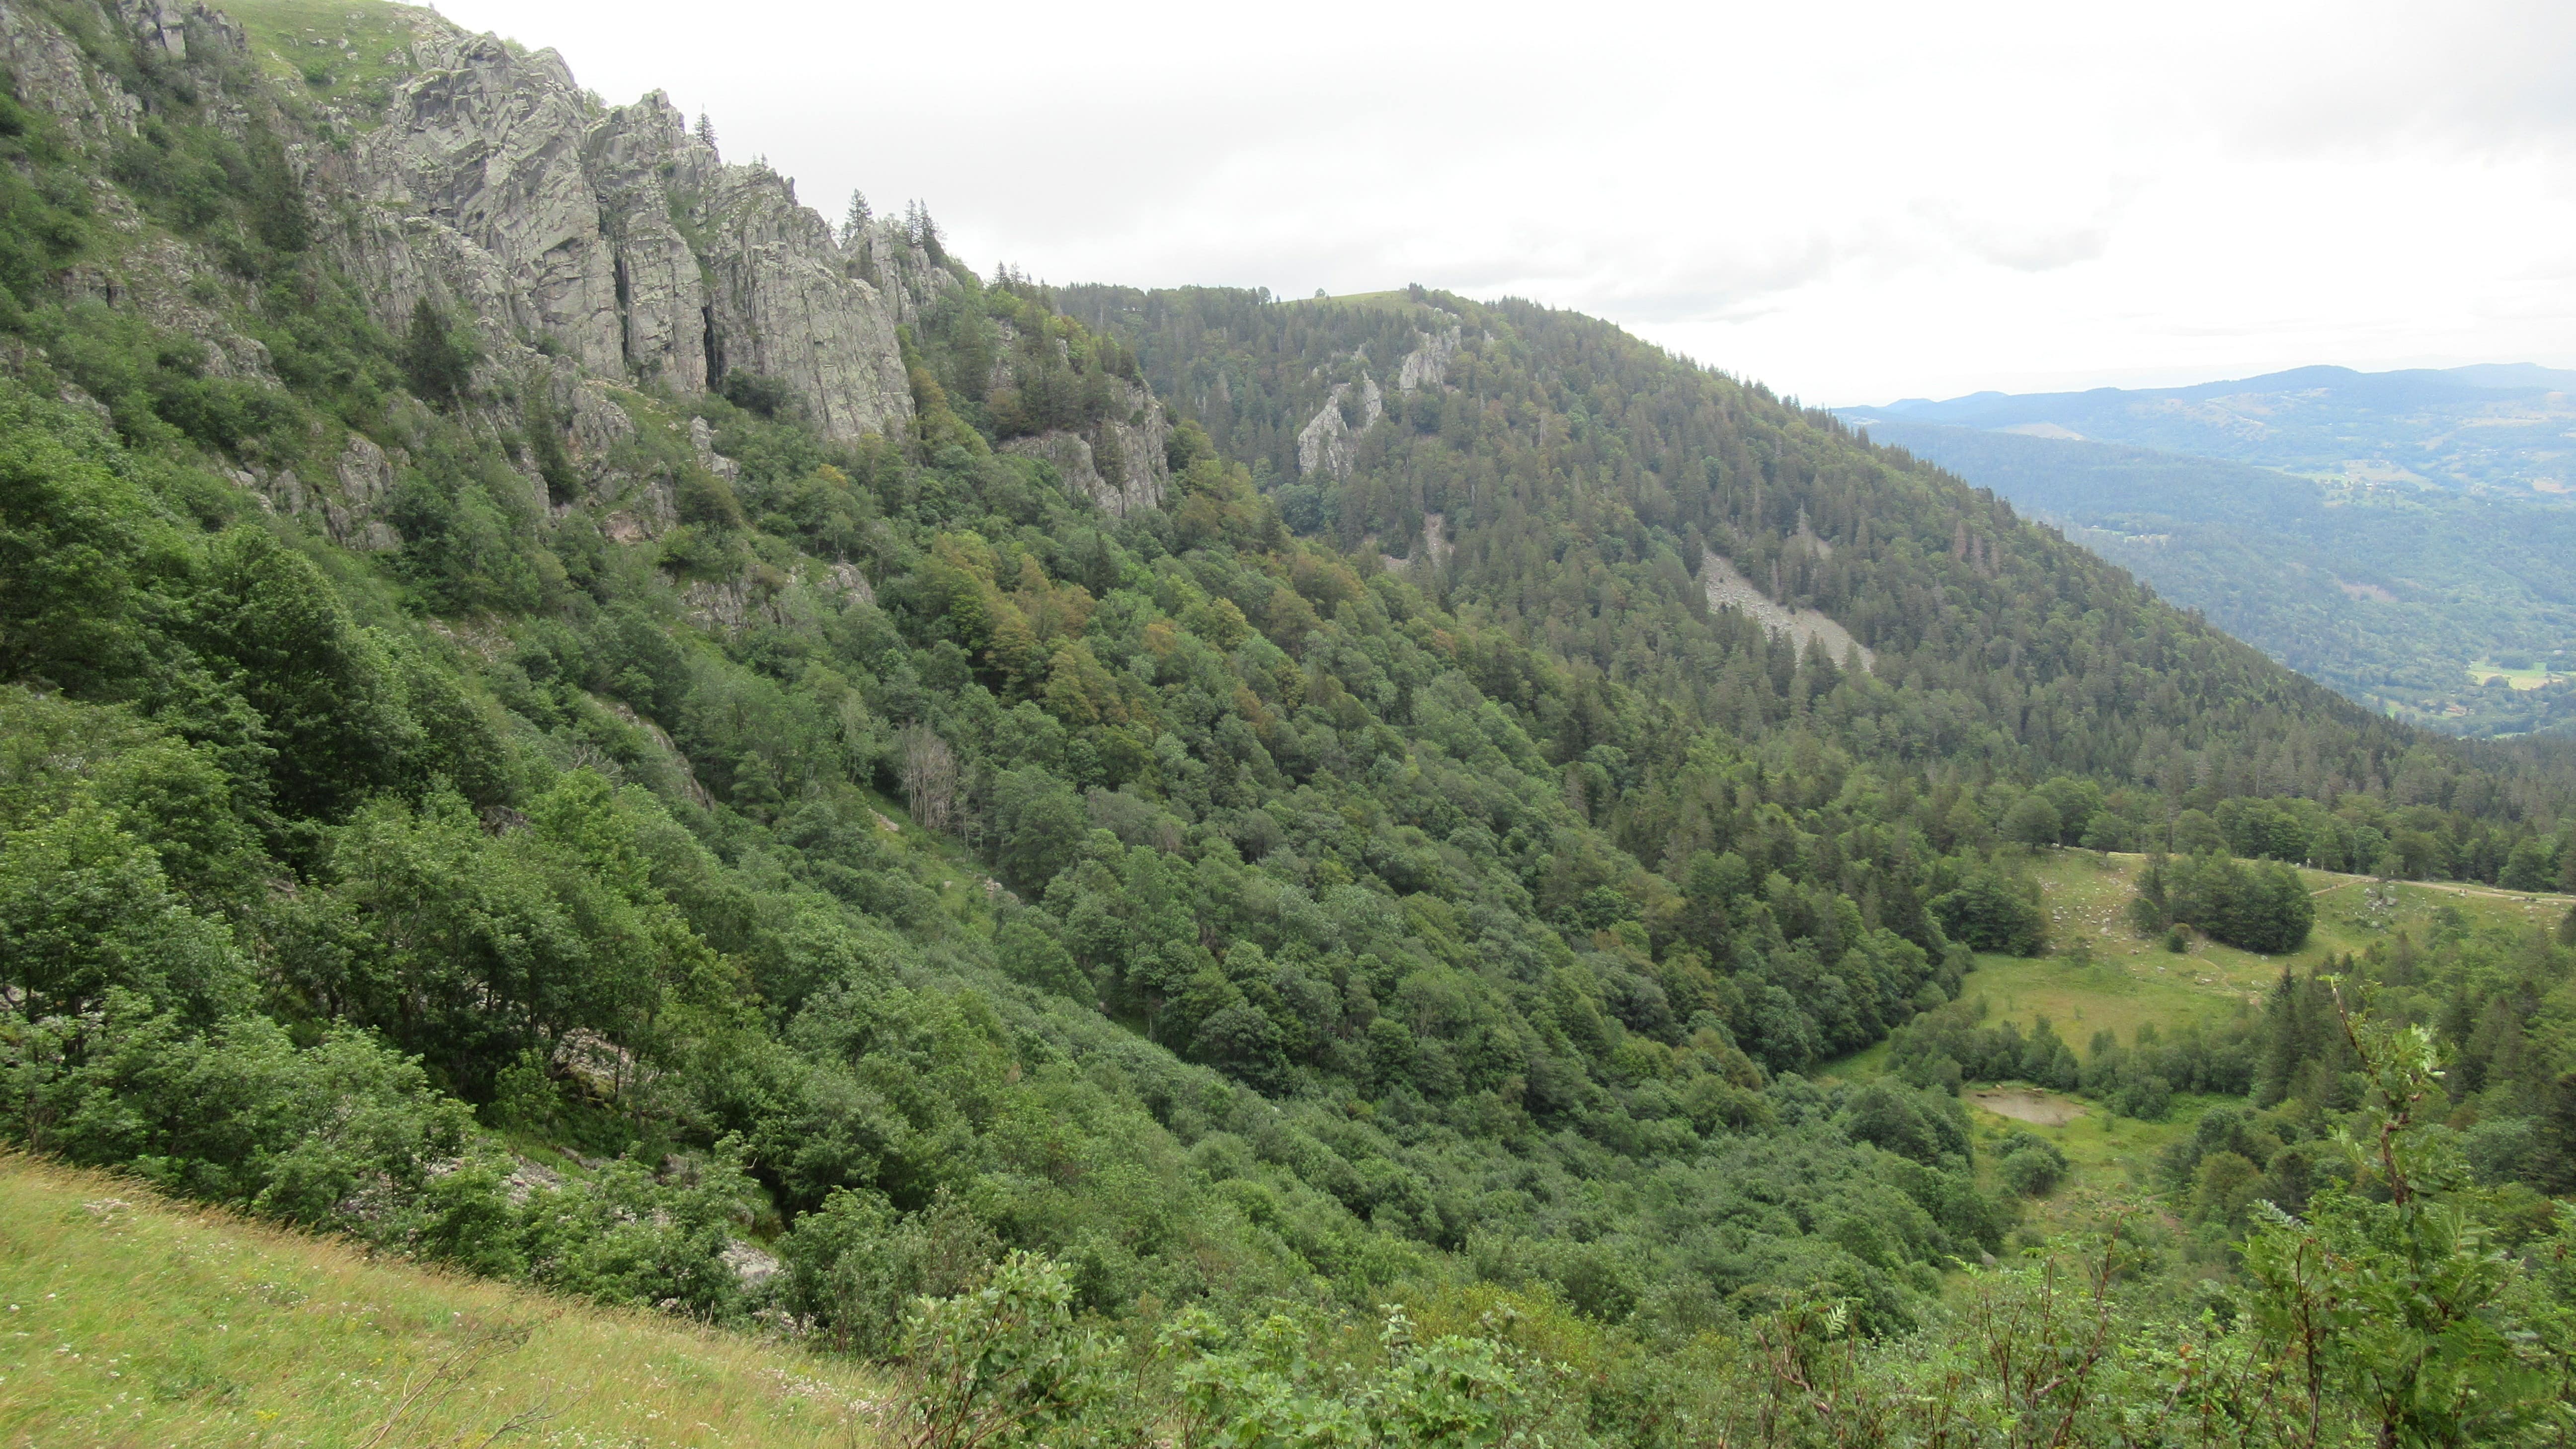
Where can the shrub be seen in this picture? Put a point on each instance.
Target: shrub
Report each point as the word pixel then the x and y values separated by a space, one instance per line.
pixel 855 1266
pixel 755 392
pixel 2031 1166
pixel 1990 914
pixel 1004 1364
pixel 2260 906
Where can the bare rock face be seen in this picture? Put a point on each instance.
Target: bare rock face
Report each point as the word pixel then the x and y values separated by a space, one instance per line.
pixel 1140 467
pixel 902 269
pixel 486 146
pixel 720 603
pixel 702 442
pixel 349 505
pixel 51 73
pixel 366 471
pixel 501 191
pixel 783 304
pixel 49 70
pixel 1121 465
pixel 1324 444
pixel 844 581
pixel 1427 365
pixel 1327 443
pixel 596 426
pixel 164 27
pixel 641 158
pixel 366 475
pixel 594 249
pixel 590 424
pixel 153 282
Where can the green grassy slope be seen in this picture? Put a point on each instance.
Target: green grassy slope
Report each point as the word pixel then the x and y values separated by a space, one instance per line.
pixel 133 1321
pixel 2132 981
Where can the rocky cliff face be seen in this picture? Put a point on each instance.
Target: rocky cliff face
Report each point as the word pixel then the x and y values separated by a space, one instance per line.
pixel 1328 442
pixel 1120 462
pixel 1120 465
pixel 1427 365
pixel 497 187
pixel 490 183
pixel 49 67
pixel 591 247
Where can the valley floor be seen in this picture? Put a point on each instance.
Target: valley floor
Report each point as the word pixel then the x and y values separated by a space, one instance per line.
pixel 2101 976
pixel 132 1321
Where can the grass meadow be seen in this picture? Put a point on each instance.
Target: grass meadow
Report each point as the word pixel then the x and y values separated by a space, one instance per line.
pixel 127 1320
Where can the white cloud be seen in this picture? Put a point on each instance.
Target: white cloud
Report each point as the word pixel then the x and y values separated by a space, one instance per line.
pixel 1852 202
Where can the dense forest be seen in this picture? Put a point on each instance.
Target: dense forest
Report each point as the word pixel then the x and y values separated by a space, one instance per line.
pixel 891 898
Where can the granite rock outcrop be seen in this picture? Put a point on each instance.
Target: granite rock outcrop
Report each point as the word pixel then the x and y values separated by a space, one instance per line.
pixel 593 251
pixel 496 187
pixel 1329 441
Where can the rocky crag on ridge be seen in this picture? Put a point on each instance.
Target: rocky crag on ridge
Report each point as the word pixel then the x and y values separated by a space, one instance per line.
pixel 595 250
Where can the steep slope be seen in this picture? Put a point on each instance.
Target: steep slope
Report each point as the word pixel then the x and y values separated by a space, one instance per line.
pixel 1558 449
pixel 452 749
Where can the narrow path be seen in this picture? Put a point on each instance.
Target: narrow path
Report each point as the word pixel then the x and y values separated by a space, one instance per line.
pixel 2493 893
pixel 2535 898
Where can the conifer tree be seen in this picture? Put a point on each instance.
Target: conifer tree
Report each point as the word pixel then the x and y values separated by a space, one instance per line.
pixel 922 232
pixel 2284 1041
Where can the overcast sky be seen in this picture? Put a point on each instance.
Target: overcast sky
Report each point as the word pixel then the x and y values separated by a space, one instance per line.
pixel 1853 203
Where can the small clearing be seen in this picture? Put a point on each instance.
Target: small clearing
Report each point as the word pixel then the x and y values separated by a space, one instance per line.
pixel 2024 1104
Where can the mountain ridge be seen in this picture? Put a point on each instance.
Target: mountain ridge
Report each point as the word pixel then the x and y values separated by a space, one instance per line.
pixel 2485 426
pixel 2508 377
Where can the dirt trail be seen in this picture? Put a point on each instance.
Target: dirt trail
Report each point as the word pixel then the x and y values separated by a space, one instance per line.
pixel 2493 893
pixel 2496 893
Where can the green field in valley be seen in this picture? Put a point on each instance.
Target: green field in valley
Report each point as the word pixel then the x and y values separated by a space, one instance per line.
pixel 2102 976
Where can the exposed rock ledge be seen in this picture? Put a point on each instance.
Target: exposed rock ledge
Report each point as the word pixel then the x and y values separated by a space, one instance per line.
pixel 1427 365
pixel 1324 445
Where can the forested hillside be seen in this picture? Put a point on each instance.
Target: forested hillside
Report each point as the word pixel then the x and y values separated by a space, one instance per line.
pixel 512 751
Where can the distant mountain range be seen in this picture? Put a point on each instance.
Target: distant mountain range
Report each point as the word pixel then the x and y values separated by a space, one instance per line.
pixel 2408 538
pixel 2495 425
